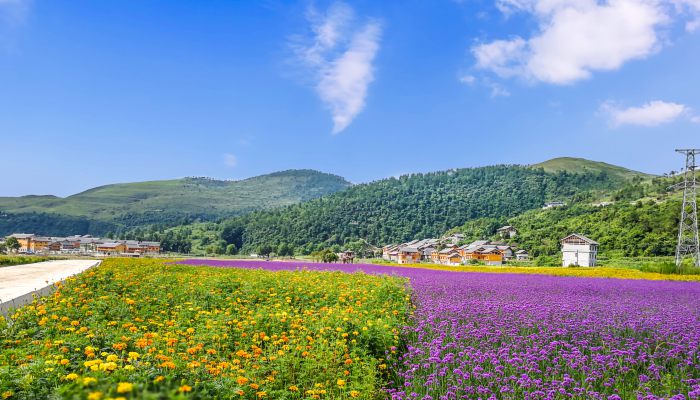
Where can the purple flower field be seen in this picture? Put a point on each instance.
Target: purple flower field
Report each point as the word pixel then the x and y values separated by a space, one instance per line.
pixel 510 336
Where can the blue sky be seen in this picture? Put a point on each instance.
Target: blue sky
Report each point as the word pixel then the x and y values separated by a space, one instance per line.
pixel 93 93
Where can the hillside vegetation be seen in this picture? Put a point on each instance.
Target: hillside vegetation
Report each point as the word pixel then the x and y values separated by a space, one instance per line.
pixel 396 209
pixel 169 202
pixel 581 165
pixel 642 220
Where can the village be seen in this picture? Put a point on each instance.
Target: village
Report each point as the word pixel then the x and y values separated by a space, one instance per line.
pixel 577 250
pixel 87 245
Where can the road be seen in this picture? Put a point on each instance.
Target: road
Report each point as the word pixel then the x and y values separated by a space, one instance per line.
pixel 18 282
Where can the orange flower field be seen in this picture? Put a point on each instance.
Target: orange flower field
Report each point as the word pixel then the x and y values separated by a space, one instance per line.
pixel 149 329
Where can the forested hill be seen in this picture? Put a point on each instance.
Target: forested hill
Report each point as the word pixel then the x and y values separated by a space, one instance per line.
pixel 404 208
pixel 169 202
pixel 581 165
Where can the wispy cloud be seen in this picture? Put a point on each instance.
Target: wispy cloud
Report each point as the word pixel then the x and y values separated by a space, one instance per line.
pixel 230 160
pixel 653 113
pixel 576 38
pixel 340 54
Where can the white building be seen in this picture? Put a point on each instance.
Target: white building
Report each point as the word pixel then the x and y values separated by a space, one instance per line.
pixel 578 250
pixel 553 204
pixel 507 231
pixel 522 255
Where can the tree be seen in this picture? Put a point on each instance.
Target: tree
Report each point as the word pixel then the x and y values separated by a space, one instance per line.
pixel 285 250
pixel 264 250
pixel 3 248
pixel 12 244
pixel 231 249
pixel 328 256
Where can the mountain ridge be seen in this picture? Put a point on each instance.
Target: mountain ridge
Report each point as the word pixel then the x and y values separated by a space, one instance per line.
pixel 127 205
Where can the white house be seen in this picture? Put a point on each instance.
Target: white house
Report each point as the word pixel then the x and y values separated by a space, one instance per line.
pixel 507 231
pixel 553 204
pixel 522 255
pixel 578 250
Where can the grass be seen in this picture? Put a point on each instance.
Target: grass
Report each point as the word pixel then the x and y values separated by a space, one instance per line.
pixel 9 260
pixel 137 328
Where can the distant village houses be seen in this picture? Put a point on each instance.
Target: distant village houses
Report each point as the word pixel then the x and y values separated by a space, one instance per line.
pixel 83 245
pixel 448 252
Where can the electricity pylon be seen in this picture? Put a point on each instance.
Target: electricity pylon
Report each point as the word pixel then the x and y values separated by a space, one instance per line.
pixel 688 242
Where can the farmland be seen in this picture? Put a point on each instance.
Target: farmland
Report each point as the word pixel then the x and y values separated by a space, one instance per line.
pixel 247 329
pixel 146 329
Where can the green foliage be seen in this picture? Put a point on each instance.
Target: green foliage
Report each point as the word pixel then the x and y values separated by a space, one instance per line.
pixel 231 249
pixel 326 256
pixel 12 244
pixel 578 165
pixel 6 261
pixel 412 206
pixel 644 228
pixel 126 206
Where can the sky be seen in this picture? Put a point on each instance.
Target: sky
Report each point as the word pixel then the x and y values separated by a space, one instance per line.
pixel 99 92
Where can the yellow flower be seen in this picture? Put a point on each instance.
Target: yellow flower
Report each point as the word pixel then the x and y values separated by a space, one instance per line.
pixel 134 355
pixel 354 393
pixel 95 396
pixel 124 387
pixel 72 377
pixel 341 382
pixel 7 394
pixel 88 380
pixel 110 366
pixel 261 394
pixel 184 389
pixel 294 388
pixel 112 358
pixel 64 362
pixel 159 378
pixel 241 380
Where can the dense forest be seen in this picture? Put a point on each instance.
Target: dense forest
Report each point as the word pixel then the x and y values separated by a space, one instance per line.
pixel 392 210
pixel 640 219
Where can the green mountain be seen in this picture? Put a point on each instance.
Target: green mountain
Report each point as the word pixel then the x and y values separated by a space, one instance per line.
pixel 400 209
pixel 168 202
pixel 580 165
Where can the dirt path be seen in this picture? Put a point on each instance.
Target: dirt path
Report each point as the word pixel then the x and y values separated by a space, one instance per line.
pixel 19 282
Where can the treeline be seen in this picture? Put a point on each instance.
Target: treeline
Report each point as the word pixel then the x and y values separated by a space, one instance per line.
pixel 644 228
pixel 638 219
pixel 395 210
pixel 52 224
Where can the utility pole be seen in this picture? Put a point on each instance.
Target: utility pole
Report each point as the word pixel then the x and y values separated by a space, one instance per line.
pixel 688 243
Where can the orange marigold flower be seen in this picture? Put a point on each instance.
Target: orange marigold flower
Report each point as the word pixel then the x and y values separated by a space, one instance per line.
pixel 242 380
pixel 184 389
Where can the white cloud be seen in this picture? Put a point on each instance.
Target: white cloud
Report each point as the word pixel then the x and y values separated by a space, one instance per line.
pixel 340 54
pixel 695 119
pixel 576 38
pixel 467 79
pixel 230 160
pixel 653 113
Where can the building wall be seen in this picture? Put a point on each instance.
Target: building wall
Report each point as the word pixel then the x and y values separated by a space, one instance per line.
pixel 581 255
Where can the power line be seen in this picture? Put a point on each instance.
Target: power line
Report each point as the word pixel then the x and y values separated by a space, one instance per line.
pixel 688 243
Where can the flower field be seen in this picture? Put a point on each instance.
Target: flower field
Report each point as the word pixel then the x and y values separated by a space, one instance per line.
pixel 512 336
pixel 295 330
pixel 144 329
